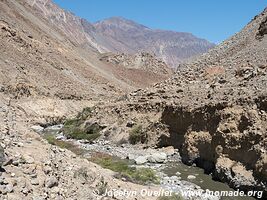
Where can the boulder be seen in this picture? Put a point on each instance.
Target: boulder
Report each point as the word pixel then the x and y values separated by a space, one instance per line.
pixel 37 128
pixel 169 150
pixel 190 177
pixel 141 160
pixel 159 157
pixel 51 182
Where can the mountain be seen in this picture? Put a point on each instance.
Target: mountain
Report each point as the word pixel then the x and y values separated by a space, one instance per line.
pixel 41 44
pixel 172 47
pixel 119 35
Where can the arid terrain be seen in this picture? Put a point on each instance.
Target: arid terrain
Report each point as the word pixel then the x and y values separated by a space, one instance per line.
pixel 108 98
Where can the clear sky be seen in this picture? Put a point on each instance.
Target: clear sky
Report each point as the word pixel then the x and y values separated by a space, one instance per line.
pixel 214 20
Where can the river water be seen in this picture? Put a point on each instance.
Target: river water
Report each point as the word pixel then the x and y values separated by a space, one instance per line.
pixel 203 180
pixel 171 168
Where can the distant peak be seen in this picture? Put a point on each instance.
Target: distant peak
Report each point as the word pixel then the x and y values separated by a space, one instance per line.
pixel 118 20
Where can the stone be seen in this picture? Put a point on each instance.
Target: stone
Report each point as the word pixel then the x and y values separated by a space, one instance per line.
pixel 190 177
pixel 9 188
pixel 2 156
pixel 131 156
pixel 169 150
pixel 130 124
pixel 51 182
pixel 159 157
pixel 178 173
pixel 35 181
pixel 5 189
pixel 54 128
pixel 28 159
pixel 37 128
pixel 8 161
pixel 141 160
pixel 47 169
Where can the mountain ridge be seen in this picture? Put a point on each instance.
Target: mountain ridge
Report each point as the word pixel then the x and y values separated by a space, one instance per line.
pixel 120 35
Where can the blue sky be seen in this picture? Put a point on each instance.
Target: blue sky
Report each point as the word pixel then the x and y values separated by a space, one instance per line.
pixel 209 19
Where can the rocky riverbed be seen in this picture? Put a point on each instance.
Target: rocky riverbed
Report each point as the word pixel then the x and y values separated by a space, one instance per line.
pixel 166 162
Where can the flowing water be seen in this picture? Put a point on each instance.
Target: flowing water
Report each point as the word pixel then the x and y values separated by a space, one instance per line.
pixel 203 180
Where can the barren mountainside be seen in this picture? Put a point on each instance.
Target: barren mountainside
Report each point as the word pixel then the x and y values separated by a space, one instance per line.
pixel 120 35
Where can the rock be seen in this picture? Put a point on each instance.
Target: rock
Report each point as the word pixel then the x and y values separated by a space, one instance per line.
pixel 20 144
pixel 37 128
pixel 141 160
pixel 190 177
pixel 54 128
pixel 178 173
pixel 158 157
pixel 28 159
pixel 169 150
pixel 4 189
pixel 8 161
pixel 35 181
pixel 51 182
pixel 9 188
pixel 131 157
pixel 47 169
pixel 130 124
pixel 2 156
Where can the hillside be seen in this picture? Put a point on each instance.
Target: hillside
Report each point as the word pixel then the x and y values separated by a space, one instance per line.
pixel 119 35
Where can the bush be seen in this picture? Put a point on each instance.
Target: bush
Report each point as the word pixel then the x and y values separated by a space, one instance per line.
pixel 63 144
pixel 140 176
pixel 136 134
pixel 82 173
pixel 73 127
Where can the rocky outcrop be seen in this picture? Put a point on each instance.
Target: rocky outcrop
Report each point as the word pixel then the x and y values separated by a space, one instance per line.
pixel 208 135
pixel 262 29
pixel 142 60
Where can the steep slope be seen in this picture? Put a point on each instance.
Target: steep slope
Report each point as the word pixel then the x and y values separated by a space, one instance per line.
pixel 172 47
pixel 120 35
pixel 36 53
pixel 214 110
pixel 45 76
pixel 132 67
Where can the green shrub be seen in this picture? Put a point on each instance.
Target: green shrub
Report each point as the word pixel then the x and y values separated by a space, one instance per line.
pixel 82 173
pixel 63 144
pixel 141 175
pixel 79 134
pixel 136 134
pixel 132 174
pixel 73 128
